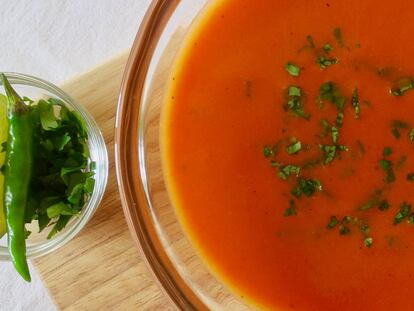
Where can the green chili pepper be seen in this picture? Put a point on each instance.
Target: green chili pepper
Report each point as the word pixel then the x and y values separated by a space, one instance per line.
pixel 17 175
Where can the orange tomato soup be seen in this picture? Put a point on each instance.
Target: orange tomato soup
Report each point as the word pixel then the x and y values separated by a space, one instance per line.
pixel 288 150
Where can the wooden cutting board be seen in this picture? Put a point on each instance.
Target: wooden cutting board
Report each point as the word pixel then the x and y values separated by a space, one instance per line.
pixel 100 269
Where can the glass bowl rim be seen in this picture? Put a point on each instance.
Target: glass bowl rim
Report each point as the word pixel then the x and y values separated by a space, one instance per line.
pixel 94 137
pixel 129 162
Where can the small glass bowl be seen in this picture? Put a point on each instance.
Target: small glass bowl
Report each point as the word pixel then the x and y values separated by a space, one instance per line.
pixel 37 244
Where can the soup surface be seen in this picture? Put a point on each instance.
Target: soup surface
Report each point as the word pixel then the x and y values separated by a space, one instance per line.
pixel 288 150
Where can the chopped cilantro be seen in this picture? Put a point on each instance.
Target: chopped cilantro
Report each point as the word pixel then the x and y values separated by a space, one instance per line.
pixel 368 242
pixel 411 219
pixel 374 200
pixel 308 187
pixel 325 62
pixel 386 166
pixel 267 152
pixel 355 102
pixel 333 221
pixel 294 91
pixel 403 85
pixel 411 134
pixel 399 124
pixel 405 210
pixel 339 119
pixel 310 41
pixel 396 133
pixel 335 134
pixel 288 170
pixel 410 176
pixel 346 220
pixel 294 148
pixel 396 126
pixel 291 210
pixel 384 205
pixel 327 47
pixel 344 230
pixel 295 102
pixel 330 92
pixel 292 69
pixel 325 126
pixel 330 152
pixel 364 228
pixel 338 37
pixel 401 161
pixel 387 151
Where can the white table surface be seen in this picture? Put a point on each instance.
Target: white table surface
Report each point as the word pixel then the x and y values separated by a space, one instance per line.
pixel 56 40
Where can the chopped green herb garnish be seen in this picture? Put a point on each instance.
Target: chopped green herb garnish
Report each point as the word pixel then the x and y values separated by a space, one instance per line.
pixel 294 91
pixel 396 133
pixel 292 69
pixel 399 124
pixel 384 205
pixel 267 152
pixel 294 148
pixel 338 37
pixel 374 200
pixel 364 228
pixel 405 210
pixel 273 163
pixel 355 102
pixel 387 151
pixel 295 102
pixel 411 219
pixel 325 62
pixel 401 161
pixel 271 151
pixel 325 126
pixel 410 176
pixel 386 166
pixel 411 134
pixel 344 230
pixel 288 170
pixel 335 134
pixel 346 220
pixel 327 47
pixel 396 126
pixel 330 92
pixel 333 221
pixel 291 210
pixel 330 152
pixel 310 41
pixel 339 119
pixel 307 187
pixel 368 242
pixel 404 85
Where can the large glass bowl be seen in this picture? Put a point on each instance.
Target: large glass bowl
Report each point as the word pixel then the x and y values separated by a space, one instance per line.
pixel 151 218
pixel 37 243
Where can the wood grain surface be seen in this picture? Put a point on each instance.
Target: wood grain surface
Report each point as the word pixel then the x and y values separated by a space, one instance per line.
pixel 100 269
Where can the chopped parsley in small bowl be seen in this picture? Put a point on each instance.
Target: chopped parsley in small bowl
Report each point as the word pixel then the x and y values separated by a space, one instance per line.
pixel 54 168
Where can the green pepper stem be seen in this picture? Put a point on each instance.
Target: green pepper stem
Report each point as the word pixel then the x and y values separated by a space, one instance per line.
pixel 15 102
